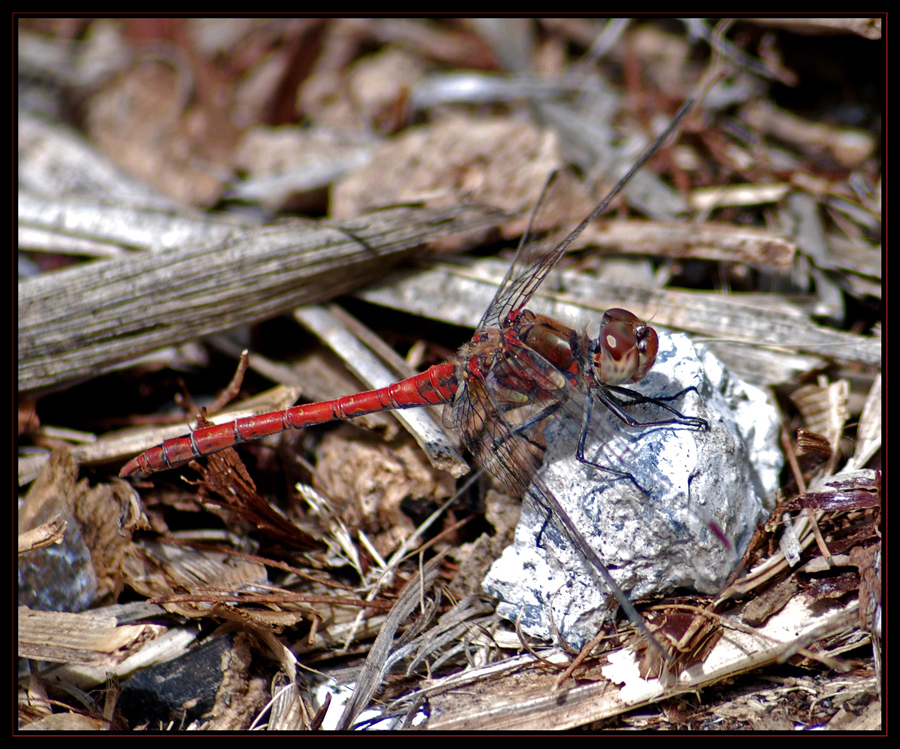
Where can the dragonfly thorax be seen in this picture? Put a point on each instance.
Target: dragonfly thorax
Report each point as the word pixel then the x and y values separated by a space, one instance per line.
pixel 625 350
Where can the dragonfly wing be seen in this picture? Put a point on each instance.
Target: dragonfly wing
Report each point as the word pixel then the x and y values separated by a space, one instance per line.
pixel 535 259
pixel 510 392
pixel 525 267
pixel 505 425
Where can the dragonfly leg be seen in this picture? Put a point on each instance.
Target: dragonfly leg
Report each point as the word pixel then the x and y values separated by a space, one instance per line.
pixel 540 533
pixel 618 405
pixel 582 458
pixel 522 431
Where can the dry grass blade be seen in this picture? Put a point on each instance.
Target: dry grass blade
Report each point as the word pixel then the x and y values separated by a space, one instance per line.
pixel 86 318
pixel 371 676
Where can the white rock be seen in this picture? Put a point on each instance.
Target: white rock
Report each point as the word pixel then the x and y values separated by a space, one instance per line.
pixel 653 542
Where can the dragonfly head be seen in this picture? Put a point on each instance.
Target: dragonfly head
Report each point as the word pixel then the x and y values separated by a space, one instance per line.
pixel 625 349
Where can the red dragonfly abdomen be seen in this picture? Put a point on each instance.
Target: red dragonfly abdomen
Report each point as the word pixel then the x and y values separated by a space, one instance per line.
pixel 435 385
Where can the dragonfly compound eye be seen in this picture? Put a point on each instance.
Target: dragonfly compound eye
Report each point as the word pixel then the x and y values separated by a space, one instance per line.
pixel 626 348
pixel 647 346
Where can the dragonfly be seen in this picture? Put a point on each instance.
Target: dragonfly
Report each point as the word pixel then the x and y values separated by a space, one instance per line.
pixel 519 371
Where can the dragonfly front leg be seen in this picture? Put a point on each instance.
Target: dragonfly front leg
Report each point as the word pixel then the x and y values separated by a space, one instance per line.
pixel 582 440
pixel 617 407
